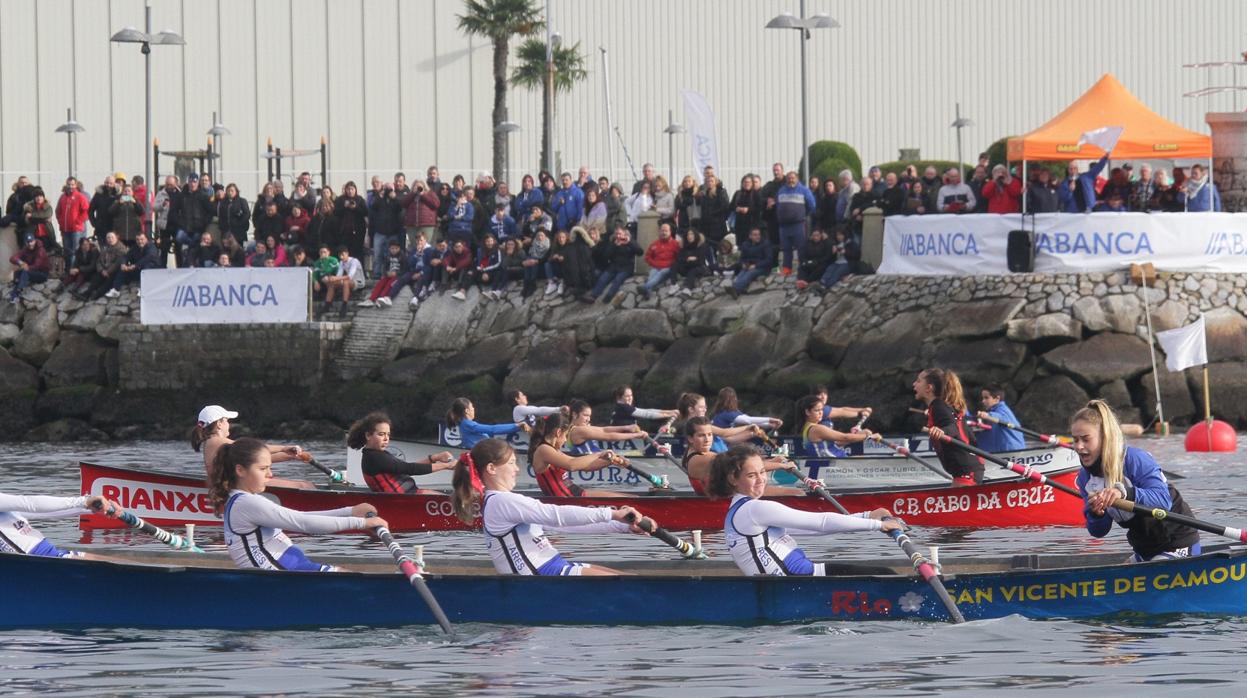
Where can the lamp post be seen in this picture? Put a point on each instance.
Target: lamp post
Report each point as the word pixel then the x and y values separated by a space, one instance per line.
pixel 553 40
pixel 672 129
pixel 959 124
pixel 70 128
pixel 217 131
pixel 803 24
pixel 507 128
pixel 146 39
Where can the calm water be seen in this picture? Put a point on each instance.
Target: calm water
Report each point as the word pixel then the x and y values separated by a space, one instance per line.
pixel 1181 656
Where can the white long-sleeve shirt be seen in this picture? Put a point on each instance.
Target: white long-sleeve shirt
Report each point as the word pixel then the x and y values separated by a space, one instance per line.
pixel 16 533
pixel 254 528
pixel 759 534
pixel 515 528
pixel 530 413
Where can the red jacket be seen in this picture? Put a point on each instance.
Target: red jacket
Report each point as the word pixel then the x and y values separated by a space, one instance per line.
pixel 71 212
pixel 36 259
pixel 662 253
pixel 420 210
pixel 1006 200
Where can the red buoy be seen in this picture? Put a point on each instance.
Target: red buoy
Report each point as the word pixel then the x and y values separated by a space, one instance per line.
pixel 1216 436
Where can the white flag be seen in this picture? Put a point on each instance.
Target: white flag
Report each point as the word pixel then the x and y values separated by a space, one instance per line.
pixel 701 131
pixel 1185 346
pixel 1104 137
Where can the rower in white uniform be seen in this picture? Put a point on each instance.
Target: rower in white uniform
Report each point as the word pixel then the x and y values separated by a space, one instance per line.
pixel 19 537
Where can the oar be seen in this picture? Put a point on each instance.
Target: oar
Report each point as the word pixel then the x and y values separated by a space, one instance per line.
pixel 1045 438
pixel 657 481
pixel 666 453
pixel 904 451
pixel 172 540
pixel 409 569
pixel 334 476
pixel 1123 504
pixel 688 550
pixel 921 564
pixel 861 419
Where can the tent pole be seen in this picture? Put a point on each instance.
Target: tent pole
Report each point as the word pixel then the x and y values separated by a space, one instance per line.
pixel 1025 186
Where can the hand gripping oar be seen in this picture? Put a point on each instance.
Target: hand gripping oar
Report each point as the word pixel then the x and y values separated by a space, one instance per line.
pixel 921 564
pixel 665 452
pixel 1045 438
pixel 1123 504
pixel 172 540
pixel 861 419
pixel 335 476
pixel 688 550
pixel 660 482
pixel 409 569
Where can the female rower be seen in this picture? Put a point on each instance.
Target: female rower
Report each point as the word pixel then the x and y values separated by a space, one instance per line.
pixel 839 411
pixel 253 524
pixel 822 441
pixel 626 412
pixel 211 432
pixel 383 471
pixel 699 456
pixel 526 413
pixel 586 438
pixel 759 532
pixel 19 537
pixel 1111 470
pixel 515 525
pixel 553 468
pixel 462 414
pixel 727 413
pixel 693 405
pixel 946 411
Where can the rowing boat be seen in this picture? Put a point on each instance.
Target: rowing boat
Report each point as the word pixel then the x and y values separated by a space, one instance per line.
pixel 173 499
pixel 134 589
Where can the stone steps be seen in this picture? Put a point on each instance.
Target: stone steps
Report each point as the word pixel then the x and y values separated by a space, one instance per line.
pixel 374 336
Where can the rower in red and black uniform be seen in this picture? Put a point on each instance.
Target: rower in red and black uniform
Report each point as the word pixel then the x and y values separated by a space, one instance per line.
pixel 553 467
pixel 383 471
pixel 946 412
pixel 699 455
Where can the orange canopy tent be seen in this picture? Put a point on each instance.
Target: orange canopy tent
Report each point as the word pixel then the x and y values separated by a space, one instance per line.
pixel 1145 136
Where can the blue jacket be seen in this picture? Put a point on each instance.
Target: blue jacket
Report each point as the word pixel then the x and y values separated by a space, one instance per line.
pixel 1070 202
pixel 1206 199
pixel 567 205
pixel 1145 485
pixel 758 254
pixel 472 432
pixel 998 438
pixel 502 229
pixel 522 204
pixel 461 221
pixel 793 204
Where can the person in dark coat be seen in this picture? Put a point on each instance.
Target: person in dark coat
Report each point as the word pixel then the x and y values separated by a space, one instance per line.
pixel 352 214
pixel 693 261
pixel 619 254
pixel 127 216
pixel 233 214
pixel 715 208
pixel 101 204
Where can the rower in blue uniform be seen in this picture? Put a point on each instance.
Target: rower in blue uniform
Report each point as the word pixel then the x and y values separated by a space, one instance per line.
pixel 999 438
pixel 462 414
pixel 820 440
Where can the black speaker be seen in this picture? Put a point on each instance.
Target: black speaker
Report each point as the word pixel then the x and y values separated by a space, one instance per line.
pixel 1021 252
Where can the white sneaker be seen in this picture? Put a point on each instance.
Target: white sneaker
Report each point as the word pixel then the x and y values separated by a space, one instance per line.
pixel 551 287
pixel 414 302
pixel 112 293
pixel 459 295
pixel 686 291
pixel 560 291
pixel 366 303
pixel 385 301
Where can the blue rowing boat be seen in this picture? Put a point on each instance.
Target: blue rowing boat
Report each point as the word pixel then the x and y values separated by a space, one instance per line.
pixel 143 589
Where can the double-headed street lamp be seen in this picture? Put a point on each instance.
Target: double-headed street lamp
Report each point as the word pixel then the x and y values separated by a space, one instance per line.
pixel 804 25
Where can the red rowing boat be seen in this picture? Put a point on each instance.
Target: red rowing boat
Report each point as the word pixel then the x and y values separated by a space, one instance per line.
pixel 171 499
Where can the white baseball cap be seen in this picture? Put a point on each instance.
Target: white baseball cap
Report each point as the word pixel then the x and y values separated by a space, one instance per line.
pixel 212 413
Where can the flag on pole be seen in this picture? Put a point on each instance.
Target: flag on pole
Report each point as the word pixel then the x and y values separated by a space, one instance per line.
pixel 1105 137
pixel 701 131
pixel 1185 346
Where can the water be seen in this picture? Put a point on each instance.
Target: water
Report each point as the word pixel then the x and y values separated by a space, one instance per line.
pixel 1184 655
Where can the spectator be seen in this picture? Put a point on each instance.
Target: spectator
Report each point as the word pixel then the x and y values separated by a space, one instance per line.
pixel 664 200
pixel 848 189
pixel 350 276
pixel 621 253
pixel 456 263
pixel 420 212
pixel 488 266
pixel 862 200
pixel 1078 192
pixel 260 255
pixel 843 259
pixel 168 205
pixel 1042 195
pixel 31 266
pixel 268 195
pixel 640 202
pixel 694 260
pixel 915 201
pixel 977 180
pixel 932 183
pixel 502 225
pixel 1118 183
pixel 536 221
pixel 107 266
pixel 461 216
pixel 528 197
pixel 647 175
pixel 1142 190
pixel 616 206
pixel 876 177
pixel 414 274
pixel 276 251
pixel 1199 193
pixel 826 200
pixel 127 216
pixel 385 222
pixel 555 260
pixel 294 228
pixel 143 255
pixel 687 209
pixel 815 257
pixel 303 196
pixel 1113 204
pixel 768 193
pixel 269 223
pixel 71 216
pixel 38 216
pixel 512 265
pixel 323 229
pixel 594 215
pixel 101 203
pixel 568 204
pixel 22 192
pixel 1164 194
pixel 892 200
pixel 794 202
pixel 434 266
pixel 83 268
pixel 202 255
pixel 393 268
pixel 534 258
pixel 232 250
pixel 352 213
pixel 143 196
pixel 909 176
pixel 324 268
pixel 578 271
pixel 747 205
pixel 715 208
pixel 955 196
pixel 755 254
pixel 661 258
pixel 233 214
pixel 1003 192
pixel 194 213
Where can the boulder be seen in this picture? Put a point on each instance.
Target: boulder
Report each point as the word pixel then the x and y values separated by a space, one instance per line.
pixel 485 392
pixel 889 401
pixel 796 380
pixel 75 401
pixel 1050 326
pixel 407 372
pixel 619 328
pixel 63 431
pixel 716 317
pixel 677 371
pixel 891 348
pixel 978 318
pixel 508 318
pixel 1117 395
pixel 343 403
pixel 86 318
pixel 440 324
pixel 547 371
pixel 78 359
pixel 1105 357
pixel 8 333
pixel 1226 330
pixel 39 335
pixel 605 370
pixel 792 334
pixel 579 317
pixel 17 376
pixel 1169 315
pixel 982 361
pixel 1228 391
pixel 488 357
pixel 110 328
pixel 1124 312
pixel 737 359
pixel 1048 402
pixel 837 328
pixel 1090 313
pixel 1175 394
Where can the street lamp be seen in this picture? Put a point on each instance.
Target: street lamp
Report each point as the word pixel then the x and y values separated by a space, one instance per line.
pixel 218 129
pixel 507 128
pixel 130 35
pixel 70 128
pixel 553 41
pixel 959 124
pixel 672 129
pixel 803 24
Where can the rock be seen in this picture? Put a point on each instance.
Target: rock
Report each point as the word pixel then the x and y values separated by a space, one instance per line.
pixel 716 317
pixel 110 328
pixel 440 324
pixel 86 318
pixel 978 319
pixel 677 371
pixel 547 371
pixel 509 318
pixel 38 337
pixel 1049 326
pixel 77 359
pixel 67 401
pixel 796 380
pixel 838 327
pixel 487 357
pixel 8 333
pixel 1226 330
pixel 737 359
pixel 983 361
pixel 620 327
pixel 893 347
pixel 1168 315
pixel 1175 394
pixel 1090 313
pixel 1228 391
pixel 1124 312
pixel 10 313
pixel 407 372
pixel 343 403
pixel 1048 402
pixel 607 369
pixel 1116 395
pixel 65 430
pixel 1105 357
pixel 795 324
pixel 16 376
pixel 485 392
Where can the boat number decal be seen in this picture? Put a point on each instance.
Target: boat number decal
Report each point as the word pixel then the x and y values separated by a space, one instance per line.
pixel 160 501
pixel 1086 588
pixel 979 501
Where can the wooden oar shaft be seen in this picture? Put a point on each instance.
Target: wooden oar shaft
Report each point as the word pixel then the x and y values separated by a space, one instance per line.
pixel 904 451
pixel 1045 438
pixel 334 476
pixel 413 573
pixel 172 540
pixel 683 547
pixel 655 480
pixel 861 420
pixel 1024 470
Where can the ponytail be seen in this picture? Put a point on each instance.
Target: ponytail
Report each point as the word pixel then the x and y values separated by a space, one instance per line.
pixel 458 411
pixel 201 433
pixel 1098 414
pixel 544 431
pixel 222 476
pixel 357 437
pixel 468 480
pixel 804 405
pixel 953 394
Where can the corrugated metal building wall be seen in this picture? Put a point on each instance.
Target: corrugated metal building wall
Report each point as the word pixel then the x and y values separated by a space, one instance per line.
pixel 394 85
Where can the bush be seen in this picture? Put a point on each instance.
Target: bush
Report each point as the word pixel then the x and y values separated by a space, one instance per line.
pixel 997 152
pixel 831 169
pixel 825 150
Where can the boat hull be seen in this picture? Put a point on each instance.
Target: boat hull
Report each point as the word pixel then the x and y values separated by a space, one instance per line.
pixel 85 593
pixel 168 499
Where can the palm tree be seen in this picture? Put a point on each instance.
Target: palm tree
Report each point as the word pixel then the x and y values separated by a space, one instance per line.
pixel 498 21
pixel 569 69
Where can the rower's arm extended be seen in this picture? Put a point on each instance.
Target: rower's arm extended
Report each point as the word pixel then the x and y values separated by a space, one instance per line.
pixel 253 512
pixel 43 506
pixel 513 509
pixel 762 513
pixel 821 432
pixel 548 455
pixel 586 433
pixel 523 412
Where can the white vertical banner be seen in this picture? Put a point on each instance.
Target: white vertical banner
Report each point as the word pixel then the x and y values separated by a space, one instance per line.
pixel 701 131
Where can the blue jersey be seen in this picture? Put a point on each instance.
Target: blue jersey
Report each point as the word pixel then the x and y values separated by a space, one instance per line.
pixel 999 438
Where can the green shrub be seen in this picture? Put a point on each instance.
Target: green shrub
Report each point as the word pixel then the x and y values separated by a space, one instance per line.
pixel 825 150
pixel 831 169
